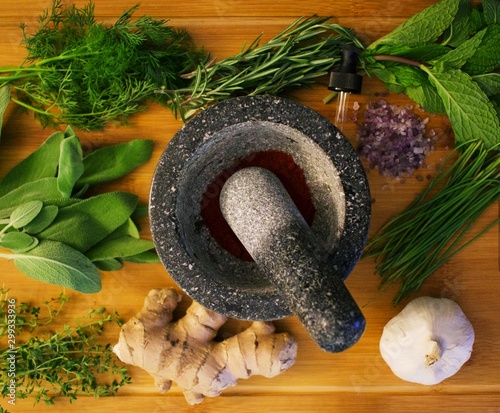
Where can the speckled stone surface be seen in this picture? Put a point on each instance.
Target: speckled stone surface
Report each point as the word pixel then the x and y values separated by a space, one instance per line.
pixel 263 216
pixel 213 141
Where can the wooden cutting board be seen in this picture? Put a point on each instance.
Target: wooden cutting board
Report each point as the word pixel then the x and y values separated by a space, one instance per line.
pixel 356 380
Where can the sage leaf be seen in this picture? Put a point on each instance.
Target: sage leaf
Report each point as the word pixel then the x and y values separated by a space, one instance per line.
pixel 487 55
pixel 39 190
pixel 489 83
pixel 70 165
pixel 18 241
pixel 422 28
pixel 4 102
pixel 471 113
pixel 146 257
pixel 125 246
pixel 57 263
pixel 128 228
pixel 457 57
pixel 109 265
pixel 25 213
pixel 40 164
pixel 113 162
pixel 85 223
pixel 42 220
pixel 491 11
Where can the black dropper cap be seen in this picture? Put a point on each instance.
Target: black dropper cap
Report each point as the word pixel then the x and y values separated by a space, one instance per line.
pixel 345 79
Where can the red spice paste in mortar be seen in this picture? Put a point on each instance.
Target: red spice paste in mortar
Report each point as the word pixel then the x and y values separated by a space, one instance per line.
pixel 288 172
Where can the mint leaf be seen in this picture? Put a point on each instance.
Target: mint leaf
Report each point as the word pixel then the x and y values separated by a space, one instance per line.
pixel 424 27
pixel 461 27
pixel 471 114
pixel 57 263
pixel 487 56
pixel 489 83
pixel 426 96
pixel 491 11
pixel 456 58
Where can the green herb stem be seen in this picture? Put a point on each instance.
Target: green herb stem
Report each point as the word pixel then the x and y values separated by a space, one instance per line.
pixel 414 244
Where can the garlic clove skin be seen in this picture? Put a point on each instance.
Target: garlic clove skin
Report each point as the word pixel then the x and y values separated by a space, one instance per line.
pixel 428 341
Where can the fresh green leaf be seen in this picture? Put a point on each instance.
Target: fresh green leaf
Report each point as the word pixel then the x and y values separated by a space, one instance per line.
pixel 495 100
pixel 427 97
pixel 4 102
pixel 477 20
pixel 18 241
pixel 422 28
pixel 40 190
pixel 461 27
pixel 487 56
pixel 489 83
pixel 457 57
pixel 42 220
pixel 128 228
pixel 471 114
pixel 71 165
pixel 113 162
pixel 147 257
pixel 87 74
pixel 424 53
pixel 84 224
pixel 25 213
pixel 40 164
pixel 57 263
pixel 491 11
pixel 109 265
pixel 125 246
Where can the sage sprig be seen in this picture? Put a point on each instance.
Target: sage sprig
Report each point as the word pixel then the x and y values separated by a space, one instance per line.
pixel 56 235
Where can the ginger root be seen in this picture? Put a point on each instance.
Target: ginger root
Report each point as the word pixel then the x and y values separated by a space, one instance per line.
pixel 185 352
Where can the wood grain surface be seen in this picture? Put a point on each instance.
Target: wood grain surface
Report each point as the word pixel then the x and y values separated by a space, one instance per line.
pixel 356 380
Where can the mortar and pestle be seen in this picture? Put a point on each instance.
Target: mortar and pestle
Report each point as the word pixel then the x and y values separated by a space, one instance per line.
pixel 296 268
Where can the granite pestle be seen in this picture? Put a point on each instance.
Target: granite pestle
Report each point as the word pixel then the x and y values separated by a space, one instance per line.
pixel 263 216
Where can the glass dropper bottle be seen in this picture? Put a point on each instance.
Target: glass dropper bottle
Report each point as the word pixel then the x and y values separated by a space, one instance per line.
pixel 345 81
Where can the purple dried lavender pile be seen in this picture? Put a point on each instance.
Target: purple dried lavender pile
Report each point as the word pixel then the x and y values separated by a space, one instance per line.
pixel 393 139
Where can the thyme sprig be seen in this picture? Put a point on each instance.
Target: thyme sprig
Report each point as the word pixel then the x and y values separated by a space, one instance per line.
pixel 68 363
pixel 297 57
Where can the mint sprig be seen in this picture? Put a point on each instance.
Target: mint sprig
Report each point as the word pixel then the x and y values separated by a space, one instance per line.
pixel 445 58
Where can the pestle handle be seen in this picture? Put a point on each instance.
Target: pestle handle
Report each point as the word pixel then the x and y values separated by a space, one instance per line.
pixel 261 213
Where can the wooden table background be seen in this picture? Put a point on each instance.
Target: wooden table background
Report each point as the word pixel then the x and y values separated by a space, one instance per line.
pixel 356 380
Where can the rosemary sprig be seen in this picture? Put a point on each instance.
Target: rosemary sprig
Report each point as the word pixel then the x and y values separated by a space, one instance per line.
pixel 296 57
pixel 50 364
pixel 415 243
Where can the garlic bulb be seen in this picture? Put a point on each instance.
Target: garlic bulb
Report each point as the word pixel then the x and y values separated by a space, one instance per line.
pixel 428 341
